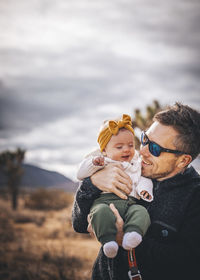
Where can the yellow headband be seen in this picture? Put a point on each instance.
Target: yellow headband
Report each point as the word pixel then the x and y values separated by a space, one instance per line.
pixel 112 129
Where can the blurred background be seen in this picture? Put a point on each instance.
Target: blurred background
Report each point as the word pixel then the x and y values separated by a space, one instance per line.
pixel 68 65
pixel 65 66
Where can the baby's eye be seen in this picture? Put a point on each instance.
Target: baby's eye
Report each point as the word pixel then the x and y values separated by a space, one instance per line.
pixel 131 145
pixel 119 147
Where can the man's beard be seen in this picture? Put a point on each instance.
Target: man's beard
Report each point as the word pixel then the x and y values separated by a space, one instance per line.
pixel 158 175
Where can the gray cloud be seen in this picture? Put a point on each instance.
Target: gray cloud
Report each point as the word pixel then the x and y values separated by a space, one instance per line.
pixel 68 65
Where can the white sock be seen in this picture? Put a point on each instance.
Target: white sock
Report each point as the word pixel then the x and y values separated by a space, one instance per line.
pixel 131 240
pixel 110 249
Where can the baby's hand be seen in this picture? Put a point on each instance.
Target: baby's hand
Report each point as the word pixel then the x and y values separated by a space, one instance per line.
pixel 99 161
pixel 146 195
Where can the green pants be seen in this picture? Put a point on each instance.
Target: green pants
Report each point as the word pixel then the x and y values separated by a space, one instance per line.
pixel 136 217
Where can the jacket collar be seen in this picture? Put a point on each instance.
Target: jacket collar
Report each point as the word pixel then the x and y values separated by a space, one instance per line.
pixel 178 179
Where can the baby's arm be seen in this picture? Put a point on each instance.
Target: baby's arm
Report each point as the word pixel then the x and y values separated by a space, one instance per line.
pixel 98 161
pixel 89 166
pixel 145 189
pixel 145 194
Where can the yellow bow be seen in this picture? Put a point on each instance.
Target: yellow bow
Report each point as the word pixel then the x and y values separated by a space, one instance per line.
pixel 112 129
pixel 115 126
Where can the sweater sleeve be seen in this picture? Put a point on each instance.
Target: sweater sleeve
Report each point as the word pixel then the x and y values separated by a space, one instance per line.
pixel 145 184
pixel 85 195
pixel 87 168
pixel 154 253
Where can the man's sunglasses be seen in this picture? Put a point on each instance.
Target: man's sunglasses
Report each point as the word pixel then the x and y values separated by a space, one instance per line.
pixel 154 148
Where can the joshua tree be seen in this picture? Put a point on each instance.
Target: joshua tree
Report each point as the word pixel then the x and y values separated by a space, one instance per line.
pixel 11 166
pixel 143 121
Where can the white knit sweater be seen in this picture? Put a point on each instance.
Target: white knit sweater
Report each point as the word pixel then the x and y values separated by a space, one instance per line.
pixel 133 169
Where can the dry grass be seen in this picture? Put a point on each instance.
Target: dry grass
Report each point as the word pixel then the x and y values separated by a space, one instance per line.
pixel 41 245
pixel 43 199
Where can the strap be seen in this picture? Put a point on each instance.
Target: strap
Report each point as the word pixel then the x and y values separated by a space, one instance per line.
pixel 134 273
pixel 131 258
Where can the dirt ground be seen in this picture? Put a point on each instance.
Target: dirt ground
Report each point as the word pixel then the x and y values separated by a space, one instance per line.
pixel 42 245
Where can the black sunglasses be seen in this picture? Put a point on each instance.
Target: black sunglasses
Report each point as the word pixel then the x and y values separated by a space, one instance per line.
pixel 154 148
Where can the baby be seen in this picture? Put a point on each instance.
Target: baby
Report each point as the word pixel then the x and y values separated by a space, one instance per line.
pixel 116 141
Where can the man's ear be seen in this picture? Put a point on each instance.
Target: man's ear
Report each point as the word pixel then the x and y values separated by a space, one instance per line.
pixel 184 160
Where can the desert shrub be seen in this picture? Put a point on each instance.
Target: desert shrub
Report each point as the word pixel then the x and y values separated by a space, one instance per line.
pixel 54 234
pixel 21 218
pixel 4 194
pixel 25 265
pixel 64 266
pixel 7 232
pixel 43 199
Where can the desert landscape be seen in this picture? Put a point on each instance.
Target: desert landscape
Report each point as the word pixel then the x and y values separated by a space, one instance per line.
pixel 37 240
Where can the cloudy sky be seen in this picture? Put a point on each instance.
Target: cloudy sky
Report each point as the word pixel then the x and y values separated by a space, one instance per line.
pixel 67 65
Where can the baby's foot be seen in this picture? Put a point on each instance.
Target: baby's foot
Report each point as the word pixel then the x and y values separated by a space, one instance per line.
pixel 131 240
pixel 110 249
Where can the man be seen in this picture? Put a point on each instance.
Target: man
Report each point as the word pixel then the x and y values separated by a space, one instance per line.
pixel 171 247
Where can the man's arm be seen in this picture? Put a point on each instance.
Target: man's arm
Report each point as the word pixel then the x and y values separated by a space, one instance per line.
pixel 110 179
pixel 153 252
pixel 84 198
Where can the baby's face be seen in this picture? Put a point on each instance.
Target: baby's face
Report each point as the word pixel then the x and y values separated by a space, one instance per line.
pixel 121 147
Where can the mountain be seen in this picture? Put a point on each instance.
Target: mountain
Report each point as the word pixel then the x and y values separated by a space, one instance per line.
pixel 35 177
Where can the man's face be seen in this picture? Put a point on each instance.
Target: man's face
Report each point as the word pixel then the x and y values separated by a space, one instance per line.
pixel 165 165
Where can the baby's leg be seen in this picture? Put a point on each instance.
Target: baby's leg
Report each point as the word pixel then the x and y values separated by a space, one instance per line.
pixel 137 221
pixel 110 249
pixel 103 224
pixel 131 240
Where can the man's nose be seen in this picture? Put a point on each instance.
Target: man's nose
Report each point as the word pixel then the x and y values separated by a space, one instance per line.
pixel 144 150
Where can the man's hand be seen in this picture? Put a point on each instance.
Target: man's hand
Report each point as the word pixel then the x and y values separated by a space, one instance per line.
pixel 112 178
pixel 119 224
pixel 89 228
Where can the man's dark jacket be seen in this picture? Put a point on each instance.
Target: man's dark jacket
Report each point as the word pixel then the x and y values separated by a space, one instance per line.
pixel 171 247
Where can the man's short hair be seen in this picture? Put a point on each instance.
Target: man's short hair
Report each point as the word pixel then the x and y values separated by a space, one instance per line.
pixel 186 121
